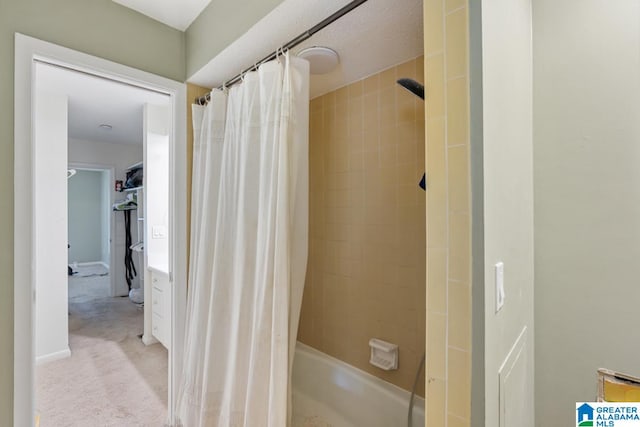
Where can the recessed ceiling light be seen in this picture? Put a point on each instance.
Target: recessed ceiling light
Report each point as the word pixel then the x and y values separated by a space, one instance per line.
pixel 105 126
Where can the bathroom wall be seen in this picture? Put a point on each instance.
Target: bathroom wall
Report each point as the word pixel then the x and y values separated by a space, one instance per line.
pixel 98 27
pixel 218 25
pixel 448 213
pixel 506 217
pixel 366 269
pixel 587 197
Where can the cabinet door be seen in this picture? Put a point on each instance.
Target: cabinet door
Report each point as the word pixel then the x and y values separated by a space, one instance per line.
pixel 161 307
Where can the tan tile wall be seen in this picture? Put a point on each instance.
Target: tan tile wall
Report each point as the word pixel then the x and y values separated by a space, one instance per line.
pixel 448 214
pixel 366 270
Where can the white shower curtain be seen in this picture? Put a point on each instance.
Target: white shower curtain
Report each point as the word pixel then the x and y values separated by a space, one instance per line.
pixel 249 240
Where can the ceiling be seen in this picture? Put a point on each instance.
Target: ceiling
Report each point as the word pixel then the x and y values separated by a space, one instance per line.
pixel 178 14
pixel 375 36
pixel 94 101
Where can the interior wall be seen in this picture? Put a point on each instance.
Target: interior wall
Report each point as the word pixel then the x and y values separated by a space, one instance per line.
pixel 98 27
pixel 366 269
pixel 508 213
pixel 156 187
pixel 448 213
pixel 50 201
pixel 85 206
pixel 220 24
pixel 120 157
pixel 105 216
pixel 587 197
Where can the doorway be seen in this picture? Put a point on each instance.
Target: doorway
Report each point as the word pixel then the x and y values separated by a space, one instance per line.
pixel 90 223
pixel 29 52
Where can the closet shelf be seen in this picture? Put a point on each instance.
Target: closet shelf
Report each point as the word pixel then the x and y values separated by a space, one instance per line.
pixel 127 190
pixel 136 166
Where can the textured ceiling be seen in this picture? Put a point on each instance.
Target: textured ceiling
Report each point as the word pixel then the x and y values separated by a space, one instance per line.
pixel 94 101
pixel 371 38
pixel 178 14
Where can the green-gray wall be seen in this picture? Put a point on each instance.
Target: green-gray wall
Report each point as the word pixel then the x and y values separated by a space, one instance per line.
pixel 507 163
pixel 219 24
pixel 587 198
pixel 98 27
pixel 86 207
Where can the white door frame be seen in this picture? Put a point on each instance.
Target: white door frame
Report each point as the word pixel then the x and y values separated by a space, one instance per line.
pixel 112 241
pixel 27 51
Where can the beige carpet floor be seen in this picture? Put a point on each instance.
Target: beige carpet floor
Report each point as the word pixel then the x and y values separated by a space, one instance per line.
pixel 111 378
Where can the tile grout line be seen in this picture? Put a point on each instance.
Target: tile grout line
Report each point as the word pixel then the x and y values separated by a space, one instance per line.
pixel 458 77
pixel 460 349
pixel 434 54
pixel 457 9
pixel 451 414
pixel 462 144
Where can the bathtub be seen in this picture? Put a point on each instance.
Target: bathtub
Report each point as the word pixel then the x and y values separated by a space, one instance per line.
pixel 330 393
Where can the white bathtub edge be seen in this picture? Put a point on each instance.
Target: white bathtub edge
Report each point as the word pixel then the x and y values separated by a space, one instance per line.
pixel 333 382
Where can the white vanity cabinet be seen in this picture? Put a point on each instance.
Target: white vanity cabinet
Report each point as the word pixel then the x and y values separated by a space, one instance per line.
pixel 161 306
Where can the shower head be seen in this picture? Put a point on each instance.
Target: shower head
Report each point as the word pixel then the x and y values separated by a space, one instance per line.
pixel 418 90
pixel 413 87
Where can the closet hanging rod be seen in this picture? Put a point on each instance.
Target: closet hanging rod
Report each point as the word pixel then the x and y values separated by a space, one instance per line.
pixel 289 45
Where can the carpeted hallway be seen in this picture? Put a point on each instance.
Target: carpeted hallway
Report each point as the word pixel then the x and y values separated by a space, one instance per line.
pixel 111 378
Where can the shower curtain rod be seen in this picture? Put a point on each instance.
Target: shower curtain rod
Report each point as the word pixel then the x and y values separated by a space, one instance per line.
pixel 289 45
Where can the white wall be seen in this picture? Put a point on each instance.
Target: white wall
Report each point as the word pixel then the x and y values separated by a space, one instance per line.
pixel 156 171
pixel 587 198
pixel 105 216
pixel 52 340
pixel 508 213
pixel 156 190
pixel 85 219
pixel 120 157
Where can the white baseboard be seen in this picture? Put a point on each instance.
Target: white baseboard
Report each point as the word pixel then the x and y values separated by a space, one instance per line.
pixel 63 354
pixel 86 264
